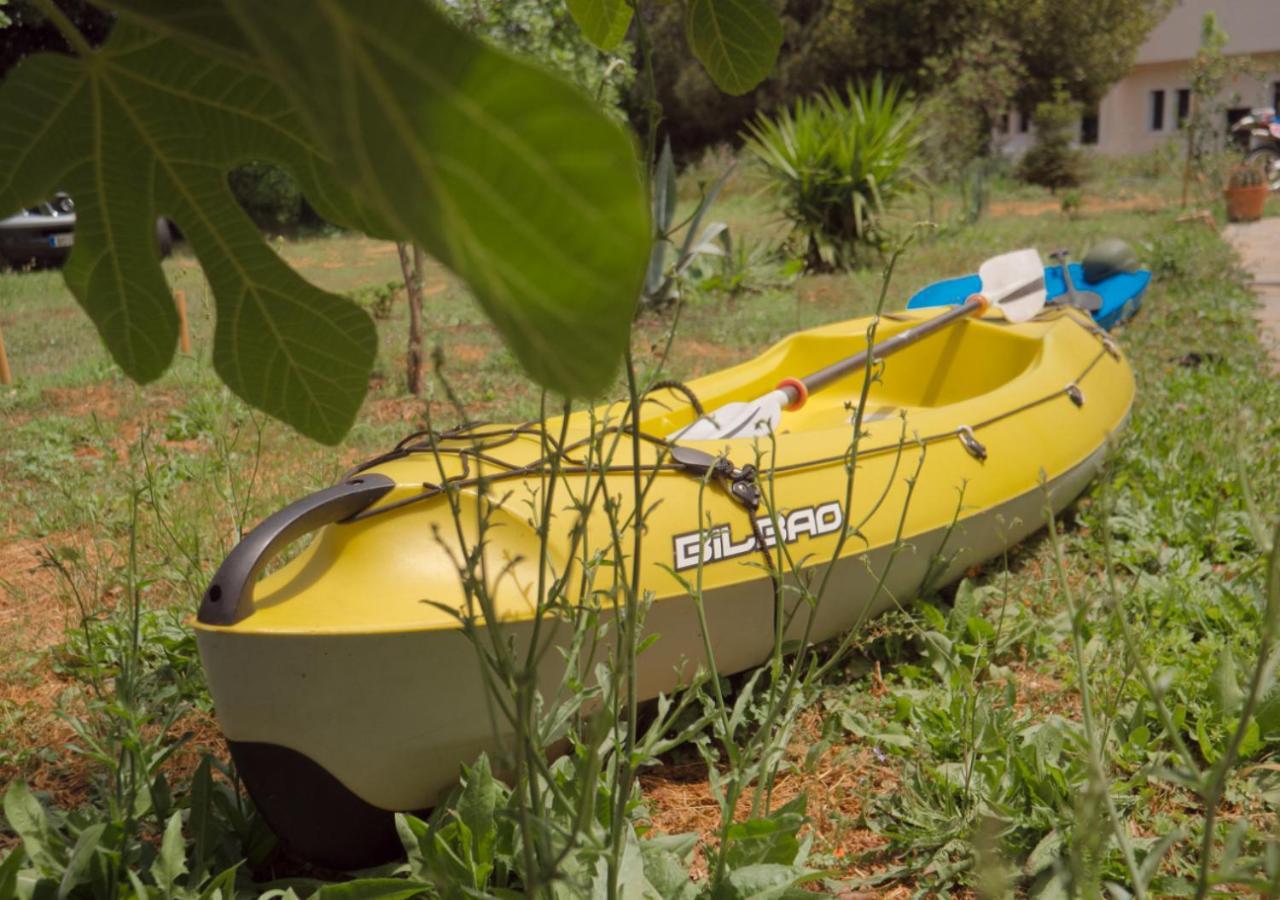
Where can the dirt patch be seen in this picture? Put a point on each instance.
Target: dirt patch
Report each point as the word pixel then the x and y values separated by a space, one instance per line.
pixel 34 617
pixel 386 410
pixel 704 357
pixel 35 715
pixel 200 736
pixel 68 778
pixel 837 787
pixel 468 353
pixel 30 609
pixel 1043 695
pixel 828 290
pixel 1039 206
pixel 101 399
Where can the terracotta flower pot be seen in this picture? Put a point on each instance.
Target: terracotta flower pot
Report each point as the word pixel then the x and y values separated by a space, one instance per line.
pixel 1244 204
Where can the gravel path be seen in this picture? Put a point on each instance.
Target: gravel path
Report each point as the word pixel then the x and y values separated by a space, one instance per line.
pixel 1258 244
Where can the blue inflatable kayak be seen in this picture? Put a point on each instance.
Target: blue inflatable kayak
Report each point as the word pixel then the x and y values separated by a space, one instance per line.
pixel 1121 293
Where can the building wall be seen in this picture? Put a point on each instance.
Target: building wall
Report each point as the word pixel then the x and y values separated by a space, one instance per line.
pixel 1252 26
pixel 1163 63
pixel 1125 116
pixel 1016 136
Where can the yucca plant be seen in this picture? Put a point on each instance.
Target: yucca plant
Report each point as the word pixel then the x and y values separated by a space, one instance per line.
pixel 836 162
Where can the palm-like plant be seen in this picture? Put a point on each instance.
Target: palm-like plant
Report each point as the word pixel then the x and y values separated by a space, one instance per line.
pixel 836 162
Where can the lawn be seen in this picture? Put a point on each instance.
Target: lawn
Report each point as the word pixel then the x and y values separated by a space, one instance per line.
pixel 950 753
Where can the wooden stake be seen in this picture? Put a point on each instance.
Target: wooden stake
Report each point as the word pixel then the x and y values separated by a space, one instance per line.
pixel 6 376
pixel 184 336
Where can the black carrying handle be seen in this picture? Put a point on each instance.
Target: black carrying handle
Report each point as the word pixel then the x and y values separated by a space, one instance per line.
pixel 229 597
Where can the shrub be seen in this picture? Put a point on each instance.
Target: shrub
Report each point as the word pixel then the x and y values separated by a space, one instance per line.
pixel 835 164
pixel 268 194
pixel 1053 162
pixel 1071 203
pixel 975 83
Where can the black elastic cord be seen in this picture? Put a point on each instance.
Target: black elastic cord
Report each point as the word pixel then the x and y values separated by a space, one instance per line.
pixel 679 387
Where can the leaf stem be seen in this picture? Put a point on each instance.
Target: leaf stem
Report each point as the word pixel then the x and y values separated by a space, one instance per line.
pixel 65 27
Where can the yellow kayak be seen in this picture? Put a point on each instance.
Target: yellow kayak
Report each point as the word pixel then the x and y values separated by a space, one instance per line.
pixel 347 689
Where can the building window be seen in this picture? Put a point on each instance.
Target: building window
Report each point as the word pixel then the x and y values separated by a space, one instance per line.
pixel 1157 110
pixel 1004 122
pixel 1024 121
pixel 1184 105
pixel 1235 114
pixel 1089 127
pixel 1275 95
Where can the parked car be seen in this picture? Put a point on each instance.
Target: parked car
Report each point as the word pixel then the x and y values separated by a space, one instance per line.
pixel 44 234
pixel 41 234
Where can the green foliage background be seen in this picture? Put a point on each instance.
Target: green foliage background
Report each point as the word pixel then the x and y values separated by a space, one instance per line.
pixel 1085 44
pixel 1053 161
pixel 547 33
pixel 398 125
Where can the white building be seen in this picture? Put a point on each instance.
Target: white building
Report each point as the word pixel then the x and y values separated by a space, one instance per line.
pixel 1145 108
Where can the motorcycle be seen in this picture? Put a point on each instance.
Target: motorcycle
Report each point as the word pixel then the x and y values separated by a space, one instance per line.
pixel 1258 136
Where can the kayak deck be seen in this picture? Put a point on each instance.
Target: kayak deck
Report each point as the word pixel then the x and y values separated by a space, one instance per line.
pixel 965 391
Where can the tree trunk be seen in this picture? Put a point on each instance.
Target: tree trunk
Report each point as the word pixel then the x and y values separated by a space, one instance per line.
pixel 1192 126
pixel 412 263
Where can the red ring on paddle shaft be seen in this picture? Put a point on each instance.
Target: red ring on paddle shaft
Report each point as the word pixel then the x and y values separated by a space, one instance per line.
pixel 802 392
pixel 983 303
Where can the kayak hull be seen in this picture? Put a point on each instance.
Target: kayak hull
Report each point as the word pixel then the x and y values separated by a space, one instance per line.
pixel 344 700
pixel 1121 293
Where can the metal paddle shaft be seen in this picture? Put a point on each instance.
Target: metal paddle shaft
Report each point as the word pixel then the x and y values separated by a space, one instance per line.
pixel 1020 289
pixel 837 370
pixel 1086 300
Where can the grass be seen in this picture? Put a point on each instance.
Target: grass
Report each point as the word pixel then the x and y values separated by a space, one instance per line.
pixel 949 754
pixel 980 701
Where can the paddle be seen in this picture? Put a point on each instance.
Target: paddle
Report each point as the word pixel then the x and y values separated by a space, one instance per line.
pixel 1013 283
pixel 1086 300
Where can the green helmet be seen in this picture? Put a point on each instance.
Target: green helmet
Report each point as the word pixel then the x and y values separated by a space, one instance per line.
pixel 1107 258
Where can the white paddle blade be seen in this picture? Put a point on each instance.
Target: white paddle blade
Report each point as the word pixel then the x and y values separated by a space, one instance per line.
pixel 737 420
pixel 1014 283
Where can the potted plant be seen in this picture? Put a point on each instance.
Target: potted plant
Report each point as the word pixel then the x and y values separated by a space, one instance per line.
pixel 1246 192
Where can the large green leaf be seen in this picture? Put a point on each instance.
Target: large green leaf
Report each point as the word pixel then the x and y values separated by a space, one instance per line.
pixel 27 819
pixel 504 172
pixel 87 844
pixel 9 867
pixel 737 41
pixel 146 127
pixel 604 22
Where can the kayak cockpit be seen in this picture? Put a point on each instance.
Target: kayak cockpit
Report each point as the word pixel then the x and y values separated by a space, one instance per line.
pixel 971 359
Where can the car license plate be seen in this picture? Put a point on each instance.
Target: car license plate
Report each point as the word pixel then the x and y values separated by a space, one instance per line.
pixel 61 240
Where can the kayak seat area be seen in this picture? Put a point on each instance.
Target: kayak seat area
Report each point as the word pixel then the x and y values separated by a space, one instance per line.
pixel 956 364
